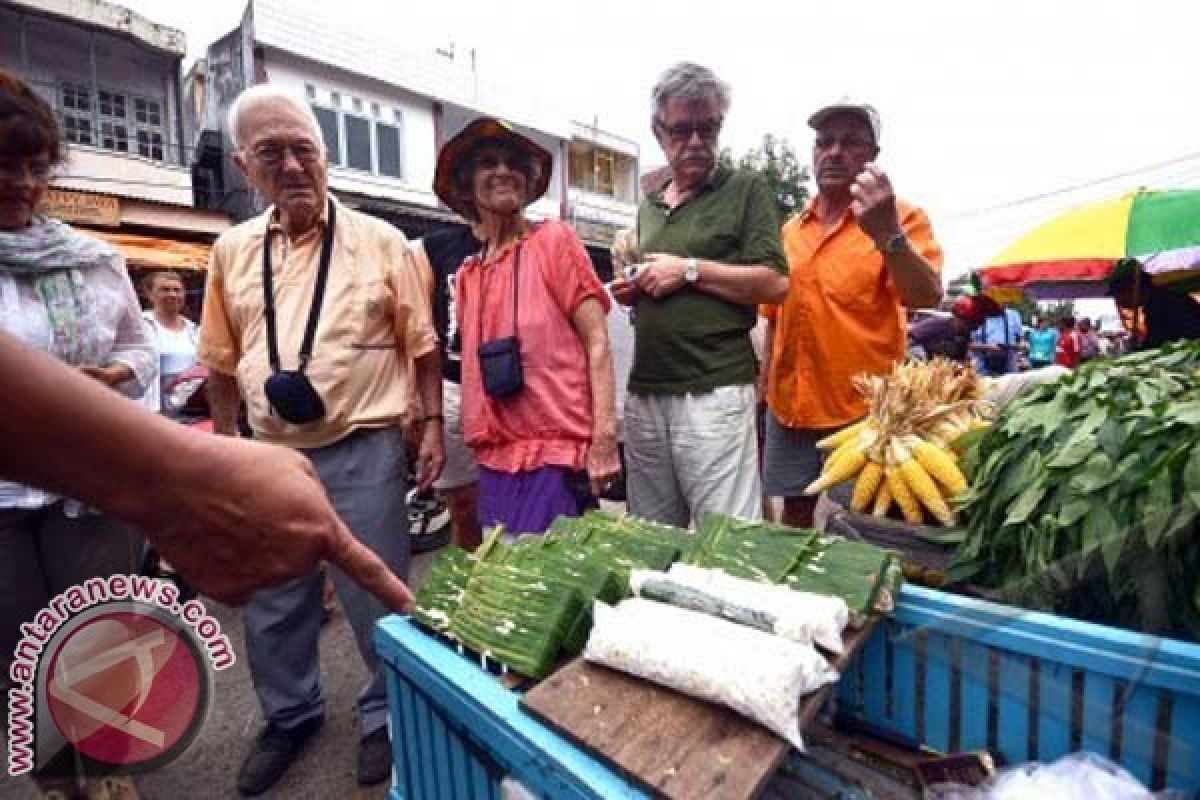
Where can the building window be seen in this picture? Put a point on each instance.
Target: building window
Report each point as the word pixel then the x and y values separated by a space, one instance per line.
pixel 113 120
pixel 147 112
pixel 328 120
pixel 114 136
pixel 75 105
pixel 310 91
pixel 111 104
pixel 335 98
pixel 604 173
pixel 358 143
pixel 77 129
pixel 387 137
pixel 76 97
pixel 361 143
pixel 595 169
pixel 356 104
pixel 112 109
pixel 150 144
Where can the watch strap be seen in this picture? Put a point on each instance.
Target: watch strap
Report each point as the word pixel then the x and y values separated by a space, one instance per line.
pixel 895 243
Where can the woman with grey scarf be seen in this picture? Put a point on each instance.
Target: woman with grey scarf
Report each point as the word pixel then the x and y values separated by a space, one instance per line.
pixel 68 295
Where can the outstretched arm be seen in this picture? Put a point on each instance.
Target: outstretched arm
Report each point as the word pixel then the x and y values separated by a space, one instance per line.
pixel 232 514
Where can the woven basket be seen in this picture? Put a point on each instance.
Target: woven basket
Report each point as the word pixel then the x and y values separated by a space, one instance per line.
pixel 931 557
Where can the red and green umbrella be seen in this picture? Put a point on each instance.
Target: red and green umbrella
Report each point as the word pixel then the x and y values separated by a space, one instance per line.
pixel 1075 253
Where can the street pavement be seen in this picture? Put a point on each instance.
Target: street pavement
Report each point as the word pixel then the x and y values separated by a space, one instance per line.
pixel 209 768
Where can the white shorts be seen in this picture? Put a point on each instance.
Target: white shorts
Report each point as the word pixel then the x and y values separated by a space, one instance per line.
pixel 461 468
pixel 689 454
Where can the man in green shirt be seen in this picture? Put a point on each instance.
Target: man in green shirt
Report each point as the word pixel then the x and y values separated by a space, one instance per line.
pixel 709 239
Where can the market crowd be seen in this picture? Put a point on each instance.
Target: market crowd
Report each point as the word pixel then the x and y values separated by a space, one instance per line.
pixel 477 360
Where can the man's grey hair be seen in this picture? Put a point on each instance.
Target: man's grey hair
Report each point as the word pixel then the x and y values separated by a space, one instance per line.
pixel 690 83
pixel 265 93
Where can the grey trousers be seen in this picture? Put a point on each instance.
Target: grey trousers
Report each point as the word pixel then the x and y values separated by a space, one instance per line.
pixel 366 477
pixel 45 552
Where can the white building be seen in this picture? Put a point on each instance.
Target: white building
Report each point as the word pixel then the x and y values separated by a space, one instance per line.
pixel 385 111
pixel 114 79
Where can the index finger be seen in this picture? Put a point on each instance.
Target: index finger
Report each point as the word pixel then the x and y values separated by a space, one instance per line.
pixel 876 172
pixel 367 570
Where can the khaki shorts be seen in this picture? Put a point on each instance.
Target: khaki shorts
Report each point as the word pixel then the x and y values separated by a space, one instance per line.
pixel 461 468
pixel 693 453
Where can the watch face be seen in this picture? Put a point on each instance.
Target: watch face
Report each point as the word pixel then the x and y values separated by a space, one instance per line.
pixel 692 271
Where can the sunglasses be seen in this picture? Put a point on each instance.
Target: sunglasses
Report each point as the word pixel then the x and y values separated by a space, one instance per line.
pixel 682 132
pixel 492 160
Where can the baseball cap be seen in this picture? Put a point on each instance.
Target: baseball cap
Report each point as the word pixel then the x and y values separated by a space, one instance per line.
pixel 848 106
pixel 969 310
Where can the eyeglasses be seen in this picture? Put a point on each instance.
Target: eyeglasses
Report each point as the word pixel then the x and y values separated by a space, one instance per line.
pixel 853 144
pixel 513 161
pixel 682 132
pixel 17 167
pixel 273 155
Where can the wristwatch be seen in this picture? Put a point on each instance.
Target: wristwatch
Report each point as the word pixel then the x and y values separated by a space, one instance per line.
pixel 691 273
pixel 895 243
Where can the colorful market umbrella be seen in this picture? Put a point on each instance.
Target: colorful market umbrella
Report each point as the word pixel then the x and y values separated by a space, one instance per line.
pixel 1074 254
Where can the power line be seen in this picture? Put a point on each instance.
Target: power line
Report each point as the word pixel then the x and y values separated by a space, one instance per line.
pixel 975 212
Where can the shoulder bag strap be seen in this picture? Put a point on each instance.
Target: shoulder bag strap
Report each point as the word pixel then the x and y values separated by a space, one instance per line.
pixel 314 311
pixel 516 285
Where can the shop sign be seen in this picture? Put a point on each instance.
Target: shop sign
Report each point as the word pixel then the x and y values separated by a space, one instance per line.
pixel 89 209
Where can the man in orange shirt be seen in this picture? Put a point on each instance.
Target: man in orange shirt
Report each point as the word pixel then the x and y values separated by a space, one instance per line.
pixel 858 257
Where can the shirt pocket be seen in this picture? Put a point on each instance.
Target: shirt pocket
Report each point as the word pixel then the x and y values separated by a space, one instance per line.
pixel 375 315
pixel 718 237
pixel 853 277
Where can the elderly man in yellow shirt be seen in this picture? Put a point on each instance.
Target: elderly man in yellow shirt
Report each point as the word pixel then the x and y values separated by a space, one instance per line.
pixel 316 317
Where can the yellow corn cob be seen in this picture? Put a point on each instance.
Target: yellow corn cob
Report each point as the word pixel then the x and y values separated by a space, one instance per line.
pixel 842 469
pixel 866 486
pixel 883 499
pixel 940 466
pixel 835 440
pixel 925 490
pixel 846 448
pixel 903 496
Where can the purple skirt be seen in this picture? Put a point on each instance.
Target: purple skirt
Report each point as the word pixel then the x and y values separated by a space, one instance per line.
pixel 527 502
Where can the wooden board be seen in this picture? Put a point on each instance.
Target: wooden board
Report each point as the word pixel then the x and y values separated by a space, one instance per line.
pixel 675 745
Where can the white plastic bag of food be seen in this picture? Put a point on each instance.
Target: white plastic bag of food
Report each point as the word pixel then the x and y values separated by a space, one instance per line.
pixel 759 675
pixel 800 616
pixel 1078 776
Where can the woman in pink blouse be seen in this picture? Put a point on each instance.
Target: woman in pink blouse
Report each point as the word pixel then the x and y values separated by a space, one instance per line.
pixel 537 369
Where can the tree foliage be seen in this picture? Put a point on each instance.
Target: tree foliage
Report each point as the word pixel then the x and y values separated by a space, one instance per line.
pixel 776 161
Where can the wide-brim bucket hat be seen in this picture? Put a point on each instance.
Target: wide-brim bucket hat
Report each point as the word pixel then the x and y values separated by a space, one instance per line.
pixel 478 132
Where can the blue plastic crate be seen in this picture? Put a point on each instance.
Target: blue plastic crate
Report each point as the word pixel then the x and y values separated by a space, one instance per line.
pixel 955 674
pixel 457 732
pixel 950 672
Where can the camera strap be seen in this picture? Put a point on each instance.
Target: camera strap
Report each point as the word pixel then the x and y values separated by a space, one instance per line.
pixel 516 286
pixel 314 311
